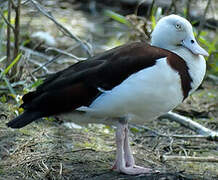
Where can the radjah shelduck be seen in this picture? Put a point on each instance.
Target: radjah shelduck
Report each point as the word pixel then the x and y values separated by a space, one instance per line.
pixel 133 81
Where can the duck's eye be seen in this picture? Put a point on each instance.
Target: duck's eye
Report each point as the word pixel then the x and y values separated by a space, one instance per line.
pixel 178 26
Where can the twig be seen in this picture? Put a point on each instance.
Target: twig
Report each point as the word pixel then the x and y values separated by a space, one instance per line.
pixel 13 85
pixel 53 59
pixel 12 3
pixel 35 53
pixel 3 58
pixel 187 122
pixel 40 65
pixel 202 20
pixel 61 169
pixel 185 136
pixel 46 167
pixel 188 4
pixel 9 26
pixel 85 45
pixel 83 149
pixel 65 53
pixel 172 5
pixel 213 159
pixel 17 28
pixel 7 20
pixel 8 83
pixel 24 2
pixel 47 63
pixel 137 7
pixel 179 136
pixel 204 133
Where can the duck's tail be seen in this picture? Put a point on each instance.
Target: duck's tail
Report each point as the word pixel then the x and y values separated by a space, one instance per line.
pixel 24 119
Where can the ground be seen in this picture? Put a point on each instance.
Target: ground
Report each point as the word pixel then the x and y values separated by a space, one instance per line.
pixel 53 149
pixel 50 150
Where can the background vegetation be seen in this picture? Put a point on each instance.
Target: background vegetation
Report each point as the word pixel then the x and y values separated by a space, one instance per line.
pixel 38 38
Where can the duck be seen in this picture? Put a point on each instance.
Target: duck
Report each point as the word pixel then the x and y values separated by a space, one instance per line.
pixel 127 84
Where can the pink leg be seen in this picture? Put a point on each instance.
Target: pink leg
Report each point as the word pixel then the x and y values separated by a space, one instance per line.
pixel 124 159
pixel 120 160
pixel 127 150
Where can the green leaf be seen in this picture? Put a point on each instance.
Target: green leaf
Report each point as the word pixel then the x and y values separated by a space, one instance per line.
pixel 117 17
pixel 153 21
pixel 11 65
pixel 185 12
pixel 36 83
pixel 3 99
pixel 134 129
pixel 204 41
pixel 27 41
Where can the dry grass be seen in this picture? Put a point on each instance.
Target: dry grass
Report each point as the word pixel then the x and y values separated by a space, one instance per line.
pixel 49 150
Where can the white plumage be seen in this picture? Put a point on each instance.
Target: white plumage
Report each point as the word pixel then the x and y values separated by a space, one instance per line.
pixel 145 94
pixel 196 65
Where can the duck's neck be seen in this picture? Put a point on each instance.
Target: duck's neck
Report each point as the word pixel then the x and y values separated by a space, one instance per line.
pixel 196 65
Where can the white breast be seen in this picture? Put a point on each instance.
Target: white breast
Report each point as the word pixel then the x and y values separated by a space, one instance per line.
pixel 147 93
pixel 196 65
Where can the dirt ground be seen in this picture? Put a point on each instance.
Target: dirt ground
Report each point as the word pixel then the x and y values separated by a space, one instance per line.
pixel 50 150
pixel 53 149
